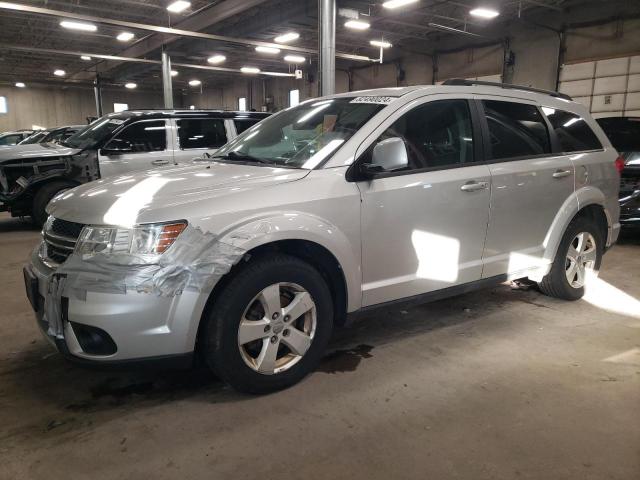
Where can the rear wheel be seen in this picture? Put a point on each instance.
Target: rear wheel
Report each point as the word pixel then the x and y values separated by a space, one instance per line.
pixel 43 197
pixel 270 325
pixel 578 258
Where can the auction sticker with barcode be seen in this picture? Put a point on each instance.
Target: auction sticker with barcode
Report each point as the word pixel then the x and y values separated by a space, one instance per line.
pixel 373 99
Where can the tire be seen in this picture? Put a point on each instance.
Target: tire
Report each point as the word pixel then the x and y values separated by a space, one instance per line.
pixel 43 197
pixel 556 282
pixel 246 366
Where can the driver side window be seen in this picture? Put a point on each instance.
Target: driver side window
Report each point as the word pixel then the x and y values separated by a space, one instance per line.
pixel 436 134
pixel 144 136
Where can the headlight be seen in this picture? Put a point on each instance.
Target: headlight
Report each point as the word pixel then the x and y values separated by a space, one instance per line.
pixel 151 239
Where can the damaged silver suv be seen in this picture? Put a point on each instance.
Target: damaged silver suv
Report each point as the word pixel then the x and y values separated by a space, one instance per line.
pixel 325 211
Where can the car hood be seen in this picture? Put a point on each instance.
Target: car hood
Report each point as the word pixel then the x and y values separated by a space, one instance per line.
pixel 164 194
pixel 35 151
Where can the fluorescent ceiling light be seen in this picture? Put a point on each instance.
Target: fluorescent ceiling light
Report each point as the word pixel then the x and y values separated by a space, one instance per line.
pixel 378 43
pixel 397 3
pixel 85 27
pixel 130 85
pixel 174 73
pixel 269 50
pixel 216 59
pixel 250 70
pixel 20 85
pixel 484 13
pixel 295 59
pixel 357 24
pixel 287 37
pixel 86 58
pixel 125 36
pixel 279 74
pixel 195 83
pixel 59 73
pixel 179 6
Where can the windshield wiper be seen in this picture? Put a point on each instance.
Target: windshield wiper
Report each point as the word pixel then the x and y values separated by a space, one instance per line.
pixel 242 157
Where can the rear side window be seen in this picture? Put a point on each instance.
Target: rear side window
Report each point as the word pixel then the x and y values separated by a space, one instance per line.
pixel 573 132
pixel 516 130
pixel 201 133
pixel 245 124
pixel 145 136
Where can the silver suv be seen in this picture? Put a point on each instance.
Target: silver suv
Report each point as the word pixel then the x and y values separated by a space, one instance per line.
pixel 323 211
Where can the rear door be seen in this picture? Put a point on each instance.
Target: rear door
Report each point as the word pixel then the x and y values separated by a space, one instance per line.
pixel 197 136
pixel 529 183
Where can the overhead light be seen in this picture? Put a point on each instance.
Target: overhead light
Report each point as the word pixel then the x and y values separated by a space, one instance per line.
pixel 130 85
pixel 195 83
pixel 86 58
pixel 269 50
pixel 295 59
pixel 174 73
pixel 397 3
pixel 85 27
pixel 357 24
pixel 20 85
pixel 279 74
pixel 59 73
pixel 380 44
pixel 250 70
pixel 125 36
pixel 216 59
pixel 178 6
pixel 287 37
pixel 484 13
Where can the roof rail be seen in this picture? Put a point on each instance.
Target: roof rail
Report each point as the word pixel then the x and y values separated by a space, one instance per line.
pixel 469 83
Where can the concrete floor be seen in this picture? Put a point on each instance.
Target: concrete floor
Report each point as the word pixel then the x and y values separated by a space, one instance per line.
pixel 499 384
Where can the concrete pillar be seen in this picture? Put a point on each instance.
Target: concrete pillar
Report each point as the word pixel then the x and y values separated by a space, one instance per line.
pixel 97 91
pixel 167 86
pixel 327 47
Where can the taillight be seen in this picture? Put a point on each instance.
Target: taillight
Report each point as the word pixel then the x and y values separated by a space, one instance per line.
pixel 619 164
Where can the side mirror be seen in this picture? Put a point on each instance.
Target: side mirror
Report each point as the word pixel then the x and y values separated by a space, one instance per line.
pixel 117 146
pixel 388 155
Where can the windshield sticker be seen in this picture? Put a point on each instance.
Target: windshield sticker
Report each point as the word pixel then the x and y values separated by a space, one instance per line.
pixel 378 100
pixel 116 121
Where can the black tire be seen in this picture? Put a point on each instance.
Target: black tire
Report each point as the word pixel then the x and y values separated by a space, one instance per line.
pixel 220 333
pixel 43 197
pixel 555 283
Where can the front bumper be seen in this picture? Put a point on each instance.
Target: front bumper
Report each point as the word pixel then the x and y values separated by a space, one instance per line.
pixel 142 326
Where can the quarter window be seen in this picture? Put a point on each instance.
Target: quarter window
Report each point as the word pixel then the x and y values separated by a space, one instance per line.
pixel 436 134
pixel 145 136
pixel 572 131
pixel 245 124
pixel 201 133
pixel 516 130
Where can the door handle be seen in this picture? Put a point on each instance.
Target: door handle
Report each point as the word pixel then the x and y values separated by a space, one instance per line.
pixel 160 162
pixel 561 173
pixel 474 186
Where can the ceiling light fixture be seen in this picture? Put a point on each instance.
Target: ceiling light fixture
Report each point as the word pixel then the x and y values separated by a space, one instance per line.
pixel 216 59
pixel 174 73
pixel 397 3
pixel 295 59
pixel 287 37
pixel 86 58
pixel 269 50
pixel 195 83
pixel 487 13
pixel 20 85
pixel 59 73
pixel 84 27
pixel 279 74
pixel 250 70
pixel 130 85
pixel 380 44
pixel 178 6
pixel 357 24
pixel 125 36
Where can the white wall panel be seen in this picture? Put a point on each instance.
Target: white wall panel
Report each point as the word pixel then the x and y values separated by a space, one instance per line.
pixel 633 101
pixel 577 88
pixel 612 66
pixel 577 71
pixel 634 64
pixel 608 103
pixel 606 85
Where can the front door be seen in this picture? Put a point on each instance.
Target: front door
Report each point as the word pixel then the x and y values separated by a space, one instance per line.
pixel 423 228
pixel 142 145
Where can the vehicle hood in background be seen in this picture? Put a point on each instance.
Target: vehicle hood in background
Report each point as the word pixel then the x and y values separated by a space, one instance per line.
pixel 35 151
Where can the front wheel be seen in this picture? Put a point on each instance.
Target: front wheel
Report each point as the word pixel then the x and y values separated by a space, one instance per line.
pixel 578 258
pixel 43 197
pixel 269 325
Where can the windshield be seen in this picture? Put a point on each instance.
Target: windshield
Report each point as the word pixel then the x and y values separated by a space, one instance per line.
pixel 94 132
pixel 34 138
pixel 302 136
pixel 623 133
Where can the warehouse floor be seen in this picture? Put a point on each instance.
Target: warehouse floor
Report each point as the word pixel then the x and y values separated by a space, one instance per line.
pixel 499 384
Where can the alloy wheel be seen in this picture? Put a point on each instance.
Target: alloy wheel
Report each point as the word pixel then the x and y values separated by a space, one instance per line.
pixel 581 257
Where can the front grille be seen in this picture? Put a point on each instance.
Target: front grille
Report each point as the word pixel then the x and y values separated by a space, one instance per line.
pixel 60 237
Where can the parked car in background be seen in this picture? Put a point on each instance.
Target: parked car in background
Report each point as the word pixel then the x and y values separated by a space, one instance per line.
pixel 13 138
pixel 624 133
pixel 330 208
pixel 52 135
pixel 31 175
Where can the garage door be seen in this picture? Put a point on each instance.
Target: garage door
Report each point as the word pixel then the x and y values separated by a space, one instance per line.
pixel 607 87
